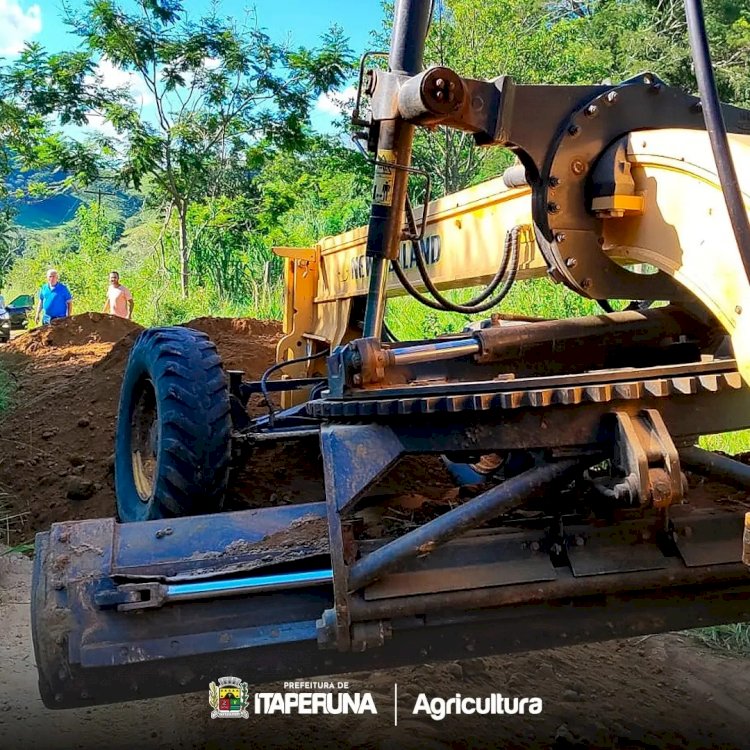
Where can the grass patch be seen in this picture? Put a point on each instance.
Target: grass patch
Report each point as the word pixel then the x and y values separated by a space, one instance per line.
pixel 26 548
pixel 734 639
pixel 7 390
pixel 728 442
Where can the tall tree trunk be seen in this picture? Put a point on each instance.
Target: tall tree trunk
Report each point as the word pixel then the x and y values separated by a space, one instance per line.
pixel 184 250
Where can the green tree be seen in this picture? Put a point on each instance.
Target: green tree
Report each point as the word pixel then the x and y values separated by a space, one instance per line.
pixel 10 243
pixel 38 93
pixel 215 88
pixel 320 190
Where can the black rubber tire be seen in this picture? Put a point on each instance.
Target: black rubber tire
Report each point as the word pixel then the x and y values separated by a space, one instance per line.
pixel 182 373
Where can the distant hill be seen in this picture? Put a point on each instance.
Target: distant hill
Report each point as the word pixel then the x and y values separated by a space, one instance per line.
pixel 45 213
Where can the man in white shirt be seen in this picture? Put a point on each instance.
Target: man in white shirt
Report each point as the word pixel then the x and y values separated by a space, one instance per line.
pixel 119 299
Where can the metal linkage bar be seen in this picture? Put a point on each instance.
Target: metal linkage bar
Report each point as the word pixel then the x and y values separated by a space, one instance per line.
pixel 150 595
pixel 410 355
pixel 459 520
pixel 275 386
pixel 717 466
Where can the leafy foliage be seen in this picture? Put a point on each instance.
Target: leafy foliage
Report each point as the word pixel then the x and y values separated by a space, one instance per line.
pixel 10 244
pixel 217 88
pixel 219 145
pixel 38 90
pixel 214 91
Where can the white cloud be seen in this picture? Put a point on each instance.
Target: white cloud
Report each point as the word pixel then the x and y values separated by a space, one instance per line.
pixel 106 128
pixel 211 63
pixel 114 77
pixel 337 102
pixel 17 25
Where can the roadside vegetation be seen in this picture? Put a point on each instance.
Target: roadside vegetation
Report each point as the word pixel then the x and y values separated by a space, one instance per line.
pixel 733 639
pixel 187 196
pixel 7 391
pixel 8 519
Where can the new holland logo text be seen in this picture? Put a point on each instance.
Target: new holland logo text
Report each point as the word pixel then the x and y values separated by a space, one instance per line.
pixel 361 265
pixel 494 704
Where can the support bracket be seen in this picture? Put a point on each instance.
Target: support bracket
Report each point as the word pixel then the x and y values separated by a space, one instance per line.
pixel 648 458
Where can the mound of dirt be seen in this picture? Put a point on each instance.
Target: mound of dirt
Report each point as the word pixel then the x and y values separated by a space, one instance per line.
pixel 57 443
pixel 78 330
pixel 244 343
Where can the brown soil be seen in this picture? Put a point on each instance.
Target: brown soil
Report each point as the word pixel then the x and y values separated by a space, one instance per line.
pixel 57 442
pixel 640 694
pixel 244 343
pixel 79 330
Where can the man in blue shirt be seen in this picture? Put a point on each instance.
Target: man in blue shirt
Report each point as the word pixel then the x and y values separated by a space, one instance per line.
pixel 55 299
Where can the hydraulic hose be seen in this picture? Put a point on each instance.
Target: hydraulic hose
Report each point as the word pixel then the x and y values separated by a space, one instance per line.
pixel 441 303
pixel 280 366
pixel 388 335
pixel 474 301
pixel 717 131
pixel 474 305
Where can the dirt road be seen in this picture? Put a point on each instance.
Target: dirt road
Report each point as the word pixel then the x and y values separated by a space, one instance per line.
pixel 658 692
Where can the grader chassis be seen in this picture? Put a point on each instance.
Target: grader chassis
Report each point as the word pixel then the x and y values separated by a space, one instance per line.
pixel 578 430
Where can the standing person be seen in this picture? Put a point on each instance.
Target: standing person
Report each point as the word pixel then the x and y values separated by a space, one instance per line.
pixel 55 299
pixel 119 299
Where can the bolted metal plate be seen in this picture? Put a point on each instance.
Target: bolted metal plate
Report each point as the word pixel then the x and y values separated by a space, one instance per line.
pixel 706 537
pixel 626 548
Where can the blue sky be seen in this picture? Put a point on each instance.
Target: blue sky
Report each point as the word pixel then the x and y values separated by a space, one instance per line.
pixel 301 22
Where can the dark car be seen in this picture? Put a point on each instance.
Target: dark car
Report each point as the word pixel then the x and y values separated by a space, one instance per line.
pixel 4 326
pixel 19 309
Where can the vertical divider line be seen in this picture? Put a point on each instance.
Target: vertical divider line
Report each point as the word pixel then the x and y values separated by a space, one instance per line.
pixel 395 704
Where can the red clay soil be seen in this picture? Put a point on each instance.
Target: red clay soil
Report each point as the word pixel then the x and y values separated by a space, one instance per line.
pixel 244 343
pixel 57 442
pixel 79 330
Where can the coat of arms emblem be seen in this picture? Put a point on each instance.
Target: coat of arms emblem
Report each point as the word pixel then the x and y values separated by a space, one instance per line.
pixel 229 699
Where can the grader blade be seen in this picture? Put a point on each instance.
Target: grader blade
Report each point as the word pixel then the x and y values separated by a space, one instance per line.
pixel 102 634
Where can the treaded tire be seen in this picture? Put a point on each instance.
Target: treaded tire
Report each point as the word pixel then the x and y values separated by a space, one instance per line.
pixel 180 372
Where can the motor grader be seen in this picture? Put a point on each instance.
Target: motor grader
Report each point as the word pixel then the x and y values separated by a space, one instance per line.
pixel 574 435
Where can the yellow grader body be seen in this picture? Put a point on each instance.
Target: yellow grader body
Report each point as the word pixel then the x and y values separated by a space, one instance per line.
pixel 679 216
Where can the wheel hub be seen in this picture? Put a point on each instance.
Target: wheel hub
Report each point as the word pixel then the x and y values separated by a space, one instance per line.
pixel 145 441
